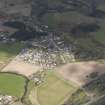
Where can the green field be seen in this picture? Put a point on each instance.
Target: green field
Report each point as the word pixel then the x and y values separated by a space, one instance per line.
pixel 54 90
pixel 9 50
pixel 12 84
pixel 65 20
pixel 100 34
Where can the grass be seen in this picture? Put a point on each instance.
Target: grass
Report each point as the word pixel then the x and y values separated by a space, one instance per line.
pixel 66 19
pixel 33 97
pixel 30 87
pixel 9 50
pixel 100 36
pixel 12 84
pixel 101 7
pixel 84 43
pixel 54 90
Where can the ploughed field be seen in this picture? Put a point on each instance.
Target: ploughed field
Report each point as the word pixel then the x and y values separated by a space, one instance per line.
pixel 80 72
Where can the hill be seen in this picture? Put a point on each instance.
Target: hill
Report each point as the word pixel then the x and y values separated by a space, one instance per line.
pixel 80 22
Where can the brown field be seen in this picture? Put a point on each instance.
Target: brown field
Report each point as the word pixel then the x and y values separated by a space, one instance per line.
pixel 20 67
pixel 78 72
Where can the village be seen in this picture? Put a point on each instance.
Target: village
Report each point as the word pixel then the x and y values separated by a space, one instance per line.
pixel 6 100
pixel 47 53
pixel 49 44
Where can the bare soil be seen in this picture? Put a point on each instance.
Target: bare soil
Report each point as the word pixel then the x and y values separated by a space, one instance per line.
pixel 20 67
pixel 78 72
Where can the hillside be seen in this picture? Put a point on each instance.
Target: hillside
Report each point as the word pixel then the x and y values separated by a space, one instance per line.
pixel 77 21
pixel 52 52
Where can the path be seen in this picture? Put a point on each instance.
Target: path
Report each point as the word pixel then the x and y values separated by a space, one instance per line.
pixel 33 97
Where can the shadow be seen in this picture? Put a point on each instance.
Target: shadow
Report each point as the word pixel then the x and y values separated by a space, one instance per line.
pixel 15 24
pixel 82 54
pixel 24 35
pixel 81 29
pixel 86 47
pixel 98 14
pixel 24 32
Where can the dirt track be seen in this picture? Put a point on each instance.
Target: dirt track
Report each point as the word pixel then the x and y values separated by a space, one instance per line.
pixel 20 67
pixel 78 72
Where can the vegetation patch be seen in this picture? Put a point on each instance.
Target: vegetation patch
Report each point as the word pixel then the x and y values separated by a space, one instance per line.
pixel 78 98
pixel 100 101
pixel 26 98
pixel 65 20
pixel 9 50
pixel 12 84
pixel 96 86
pixel 54 90
pixel 82 29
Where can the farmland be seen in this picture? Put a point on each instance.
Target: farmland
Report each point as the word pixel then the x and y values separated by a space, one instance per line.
pixel 55 88
pixel 9 50
pixel 12 84
pixel 53 54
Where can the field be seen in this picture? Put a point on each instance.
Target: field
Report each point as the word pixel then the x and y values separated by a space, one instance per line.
pixel 12 84
pixel 54 90
pixel 79 72
pixel 99 35
pixel 9 50
pixel 86 37
pixel 20 67
pixel 76 27
pixel 65 20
